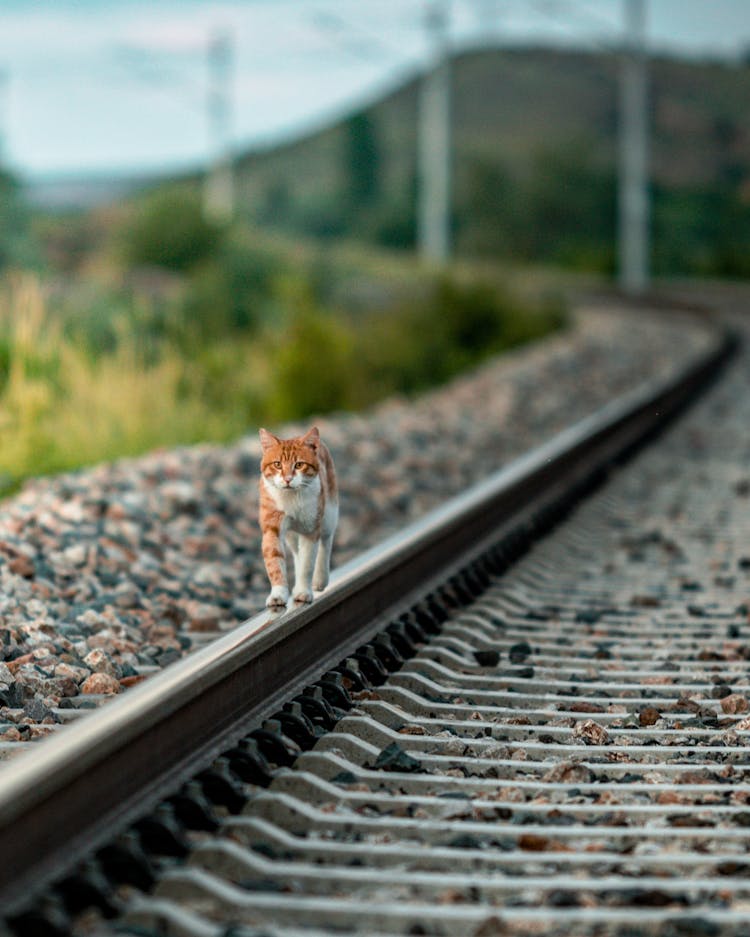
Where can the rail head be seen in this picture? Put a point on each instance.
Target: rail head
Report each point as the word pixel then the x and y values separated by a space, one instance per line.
pixel 160 732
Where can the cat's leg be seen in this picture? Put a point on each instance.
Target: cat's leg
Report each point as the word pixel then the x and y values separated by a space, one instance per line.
pixel 323 563
pixel 274 557
pixel 292 541
pixel 304 562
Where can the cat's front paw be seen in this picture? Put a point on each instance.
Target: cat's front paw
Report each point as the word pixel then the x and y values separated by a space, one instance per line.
pixel 303 597
pixel 278 598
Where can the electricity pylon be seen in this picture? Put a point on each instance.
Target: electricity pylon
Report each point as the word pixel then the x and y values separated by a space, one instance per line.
pixel 434 142
pixel 218 195
pixel 633 215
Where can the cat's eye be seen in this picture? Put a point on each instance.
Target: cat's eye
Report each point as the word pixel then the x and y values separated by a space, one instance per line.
pixel 276 465
pixel 299 465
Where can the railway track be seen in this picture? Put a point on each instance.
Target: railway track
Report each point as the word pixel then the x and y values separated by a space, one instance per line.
pixel 483 727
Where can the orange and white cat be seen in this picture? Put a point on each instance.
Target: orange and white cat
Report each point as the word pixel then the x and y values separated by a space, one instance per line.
pixel 299 510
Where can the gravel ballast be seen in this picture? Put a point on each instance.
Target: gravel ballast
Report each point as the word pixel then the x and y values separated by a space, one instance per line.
pixel 109 574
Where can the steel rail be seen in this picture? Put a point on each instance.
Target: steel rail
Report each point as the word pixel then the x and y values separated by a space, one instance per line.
pixel 69 796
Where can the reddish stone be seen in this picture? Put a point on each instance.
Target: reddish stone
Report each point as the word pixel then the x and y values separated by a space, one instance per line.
pixel 649 716
pixel 100 683
pixel 21 566
pixel 13 665
pixel 569 772
pixel 735 703
pixel 585 707
pixel 100 662
pixel 202 617
pixel 131 681
pixel 591 732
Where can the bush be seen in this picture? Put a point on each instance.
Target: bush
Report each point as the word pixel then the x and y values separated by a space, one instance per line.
pixel 17 247
pixel 703 231
pixel 314 367
pixel 169 230
pixel 453 326
pixel 275 332
pixel 326 361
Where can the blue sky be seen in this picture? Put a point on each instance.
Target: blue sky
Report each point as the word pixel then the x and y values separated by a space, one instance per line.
pixel 111 85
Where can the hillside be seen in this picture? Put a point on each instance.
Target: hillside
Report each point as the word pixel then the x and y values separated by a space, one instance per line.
pixel 534 160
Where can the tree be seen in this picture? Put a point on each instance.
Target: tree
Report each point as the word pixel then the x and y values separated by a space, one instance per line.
pixel 13 222
pixel 169 230
pixel 362 159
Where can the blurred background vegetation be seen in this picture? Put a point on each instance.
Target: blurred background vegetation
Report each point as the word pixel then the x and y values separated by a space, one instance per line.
pixel 535 165
pixel 138 323
pixel 142 325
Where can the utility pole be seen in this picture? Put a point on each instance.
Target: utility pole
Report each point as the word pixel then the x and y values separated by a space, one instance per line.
pixel 434 142
pixel 633 215
pixel 218 195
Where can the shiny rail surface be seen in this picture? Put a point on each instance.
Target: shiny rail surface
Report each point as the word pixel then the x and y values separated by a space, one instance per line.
pixel 126 758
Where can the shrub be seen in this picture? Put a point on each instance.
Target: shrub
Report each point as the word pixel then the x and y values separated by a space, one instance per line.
pixel 169 230
pixel 314 366
pixel 17 247
pixel 452 327
pixel 83 364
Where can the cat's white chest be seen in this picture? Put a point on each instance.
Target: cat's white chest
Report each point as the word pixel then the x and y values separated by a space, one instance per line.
pixel 300 506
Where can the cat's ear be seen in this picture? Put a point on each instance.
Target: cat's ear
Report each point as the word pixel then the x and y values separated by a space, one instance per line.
pixel 311 438
pixel 268 440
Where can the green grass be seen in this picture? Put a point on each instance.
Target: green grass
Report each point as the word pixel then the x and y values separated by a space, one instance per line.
pixel 100 370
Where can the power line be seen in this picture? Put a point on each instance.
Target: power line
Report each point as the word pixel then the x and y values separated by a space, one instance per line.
pixel 150 68
pixel 556 8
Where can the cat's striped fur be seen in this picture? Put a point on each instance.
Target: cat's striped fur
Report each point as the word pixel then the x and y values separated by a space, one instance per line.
pixel 298 510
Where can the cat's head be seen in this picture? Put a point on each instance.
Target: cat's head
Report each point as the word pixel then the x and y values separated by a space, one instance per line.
pixel 290 463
